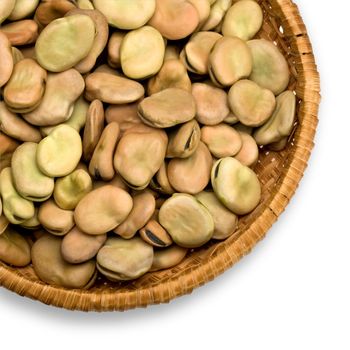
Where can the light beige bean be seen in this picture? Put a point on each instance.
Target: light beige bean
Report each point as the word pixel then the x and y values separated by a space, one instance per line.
pixel 22 32
pixel 93 128
pixel 192 174
pixel 50 266
pixel 235 185
pixel 168 257
pixel 85 4
pixel 143 208
pixel 29 181
pixel 70 189
pixel 154 234
pixel 187 221
pixel 78 247
pixel 113 48
pixel 100 41
pixel 249 152
pixel 26 87
pixel 175 19
pixel 184 140
pixel 112 89
pixel 167 108
pixel 203 9
pixel 217 13
pixel 6 7
pixel 54 219
pixel 139 155
pixel 211 103
pixel 121 260
pixel 23 9
pixel 222 140
pixel 102 210
pixel 6 66
pixel 62 91
pixel 173 74
pixel 13 125
pixel 14 249
pixel 101 164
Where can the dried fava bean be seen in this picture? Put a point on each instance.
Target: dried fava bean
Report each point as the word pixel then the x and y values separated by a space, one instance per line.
pixel 231 119
pixel 235 185
pixel 230 60
pixel 222 140
pixel 217 13
pixel 13 125
pixel 62 44
pixel 173 74
pixel 160 182
pixel 168 257
pixel 203 9
pixel 184 140
pixel 15 208
pixel 7 144
pixel 195 54
pixel 50 266
pixel 249 152
pixel 167 108
pixel 23 9
pixel 121 260
pixel 54 219
pixel 188 222
pixel 124 14
pixel 139 155
pixel 192 174
pixel 85 4
pixel 225 222
pixel 59 153
pixel 113 48
pixel 6 7
pixel 3 223
pixel 62 91
pixel 125 115
pixel 243 20
pixel 175 19
pixel 14 248
pixel 102 210
pixel 50 10
pixel 270 68
pixel 116 182
pixel 112 89
pixel 17 55
pixel 93 128
pixel 252 104
pixel 78 247
pixel 25 89
pixel 101 164
pixel 281 122
pixel 142 53
pixel 69 190
pixel 22 32
pixel 6 65
pixel 29 181
pixel 211 102
pixel 143 209
pixel 100 40
pixel 154 234
pixel 32 223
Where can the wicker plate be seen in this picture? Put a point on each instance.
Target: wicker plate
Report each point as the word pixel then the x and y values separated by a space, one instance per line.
pixel 279 174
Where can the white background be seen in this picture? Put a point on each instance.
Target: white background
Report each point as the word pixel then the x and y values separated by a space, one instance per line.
pixel 291 292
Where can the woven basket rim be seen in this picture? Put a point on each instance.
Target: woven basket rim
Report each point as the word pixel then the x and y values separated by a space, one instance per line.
pixel 309 90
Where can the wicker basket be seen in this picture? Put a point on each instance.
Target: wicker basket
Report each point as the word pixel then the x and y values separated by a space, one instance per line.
pixel 279 174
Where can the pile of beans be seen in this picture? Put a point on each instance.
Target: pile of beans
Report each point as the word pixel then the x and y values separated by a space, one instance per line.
pixel 129 131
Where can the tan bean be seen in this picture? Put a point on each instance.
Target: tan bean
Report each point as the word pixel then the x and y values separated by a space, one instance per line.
pixel 6 66
pixel 117 181
pixel 26 87
pixel 50 266
pixel 54 219
pixel 78 247
pixel 16 55
pixel 154 234
pixel 113 48
pixel 102 210
pixel 13 125
pixel 217 13
pixel 7 144
pixel 160 182
pixel 14 249
pixel 93 128
pixel 6 7
pixel 101 164
pixel 249 152
pixel 168 257
pixel 143 208
pixel 23 9
pixel 22 32
pixel 33 223
pixel 112 89
pixel 48 11
pixel 192 174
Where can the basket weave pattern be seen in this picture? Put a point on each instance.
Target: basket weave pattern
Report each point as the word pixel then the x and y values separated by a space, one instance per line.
pixel 279 173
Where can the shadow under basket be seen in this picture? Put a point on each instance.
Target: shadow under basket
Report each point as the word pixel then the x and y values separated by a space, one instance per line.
pixel 279 173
